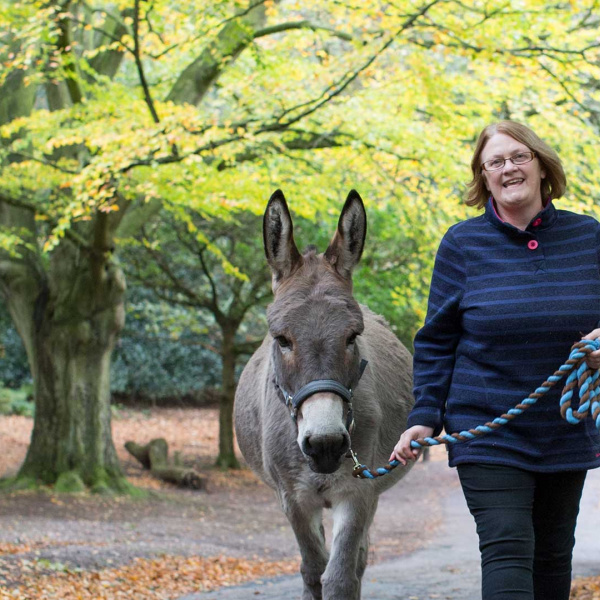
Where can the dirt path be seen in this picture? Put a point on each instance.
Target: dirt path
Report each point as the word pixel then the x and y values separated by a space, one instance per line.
pixel 447 567
pixel 243 520
pixel 238 517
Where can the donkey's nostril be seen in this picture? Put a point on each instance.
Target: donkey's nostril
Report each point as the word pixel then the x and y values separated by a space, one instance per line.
pixel 330 445
pixel 306 447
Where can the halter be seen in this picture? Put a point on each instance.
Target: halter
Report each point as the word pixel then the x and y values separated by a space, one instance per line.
pixel 293 403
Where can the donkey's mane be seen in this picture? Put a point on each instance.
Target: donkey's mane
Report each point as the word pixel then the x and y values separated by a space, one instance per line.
pixel 311 251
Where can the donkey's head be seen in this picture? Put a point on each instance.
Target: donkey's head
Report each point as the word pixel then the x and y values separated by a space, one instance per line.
pixel 314 321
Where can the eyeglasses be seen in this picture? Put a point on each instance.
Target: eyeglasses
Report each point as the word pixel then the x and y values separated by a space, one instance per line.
pixel 520 158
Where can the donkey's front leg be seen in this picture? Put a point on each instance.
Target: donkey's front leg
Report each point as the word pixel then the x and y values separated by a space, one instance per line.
pixel 307 523
pixel 352 518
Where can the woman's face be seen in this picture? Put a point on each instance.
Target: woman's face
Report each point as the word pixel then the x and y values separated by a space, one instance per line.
pixel 514 187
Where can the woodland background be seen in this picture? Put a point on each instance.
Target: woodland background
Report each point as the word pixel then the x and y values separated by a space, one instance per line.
pixel 140 141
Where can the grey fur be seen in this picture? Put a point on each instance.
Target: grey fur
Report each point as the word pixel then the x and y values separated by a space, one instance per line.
pixel 305 464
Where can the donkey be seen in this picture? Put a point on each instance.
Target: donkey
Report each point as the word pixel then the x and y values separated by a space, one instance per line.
pixel 300 407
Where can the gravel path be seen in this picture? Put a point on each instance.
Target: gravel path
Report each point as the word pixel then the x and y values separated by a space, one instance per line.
pixel 447 568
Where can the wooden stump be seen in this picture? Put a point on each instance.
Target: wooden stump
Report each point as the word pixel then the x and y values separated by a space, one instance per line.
pixel 154 456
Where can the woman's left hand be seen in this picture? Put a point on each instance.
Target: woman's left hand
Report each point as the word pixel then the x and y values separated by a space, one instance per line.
pixel 593 358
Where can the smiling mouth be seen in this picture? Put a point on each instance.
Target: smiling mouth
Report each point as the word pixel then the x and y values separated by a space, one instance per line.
pixel 513 182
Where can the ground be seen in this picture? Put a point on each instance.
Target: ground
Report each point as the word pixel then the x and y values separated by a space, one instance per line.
pixel 80 547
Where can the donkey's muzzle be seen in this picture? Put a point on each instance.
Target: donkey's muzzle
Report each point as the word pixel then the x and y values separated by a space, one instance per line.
pixel 326 451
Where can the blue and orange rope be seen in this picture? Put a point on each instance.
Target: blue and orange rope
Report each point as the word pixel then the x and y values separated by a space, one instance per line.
pixel 580 375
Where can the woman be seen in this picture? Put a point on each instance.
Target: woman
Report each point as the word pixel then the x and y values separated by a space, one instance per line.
pixel 511 291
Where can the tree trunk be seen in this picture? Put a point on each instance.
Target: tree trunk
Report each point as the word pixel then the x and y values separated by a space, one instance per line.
pixel 198 77
pixel 15 98
pixel 226 458
pixel 68 319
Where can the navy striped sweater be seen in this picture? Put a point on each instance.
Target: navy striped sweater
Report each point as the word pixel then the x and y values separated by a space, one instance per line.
pixel 505 307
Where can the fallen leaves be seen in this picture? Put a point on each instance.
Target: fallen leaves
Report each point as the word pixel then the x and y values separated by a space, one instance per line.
pixel 193 433
pixel 162 578
pixel 13 548
pixel 586 589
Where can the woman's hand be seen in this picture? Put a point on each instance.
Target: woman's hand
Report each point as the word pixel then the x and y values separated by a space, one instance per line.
pixel 403 451
pixel 593 358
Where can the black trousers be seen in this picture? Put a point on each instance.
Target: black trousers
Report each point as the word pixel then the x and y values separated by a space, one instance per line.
pixel 526 524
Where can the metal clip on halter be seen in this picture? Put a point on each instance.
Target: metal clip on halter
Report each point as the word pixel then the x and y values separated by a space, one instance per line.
pixel 358 469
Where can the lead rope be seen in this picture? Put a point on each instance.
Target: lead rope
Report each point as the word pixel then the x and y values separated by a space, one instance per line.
pixel 580 375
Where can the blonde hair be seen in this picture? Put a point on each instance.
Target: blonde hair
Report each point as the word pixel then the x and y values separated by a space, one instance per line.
pixel 552 186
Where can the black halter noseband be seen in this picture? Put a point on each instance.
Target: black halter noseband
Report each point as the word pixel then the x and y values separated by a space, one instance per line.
pixel 294 402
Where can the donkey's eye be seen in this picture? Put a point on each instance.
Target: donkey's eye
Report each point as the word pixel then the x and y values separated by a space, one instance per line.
pixel 283 342
pixel 351 339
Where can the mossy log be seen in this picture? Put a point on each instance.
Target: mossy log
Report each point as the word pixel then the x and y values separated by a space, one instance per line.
pixel 154 457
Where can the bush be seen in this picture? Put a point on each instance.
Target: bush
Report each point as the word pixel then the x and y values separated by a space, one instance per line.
pixel 14 369
pixel 161 356
pixel 17 402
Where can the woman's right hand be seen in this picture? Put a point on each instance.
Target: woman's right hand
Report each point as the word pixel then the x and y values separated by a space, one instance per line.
pixel 593 359
pixel 403 451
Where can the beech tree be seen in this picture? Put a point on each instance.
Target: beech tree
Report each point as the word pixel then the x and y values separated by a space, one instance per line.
pixel 112 111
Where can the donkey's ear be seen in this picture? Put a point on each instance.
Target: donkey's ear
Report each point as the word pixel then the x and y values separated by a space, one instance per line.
pixel 278 237
pixel 347 244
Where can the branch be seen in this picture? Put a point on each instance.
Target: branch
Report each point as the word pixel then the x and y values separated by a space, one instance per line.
pixel 213 287
pixel 160 293
pixel 105 33
pixel 64 44
pixel 306 140
pixel 174 158
pixel 196 79
pixel 106 13
pixel 254 299
pixel 305 24
pixel 163 291
pixel 337 88
pixel 593 113
pixel 179 286
pixel 501 10
pixel 69 233
pixel 150 28
pixel 278 124
pixel 196 248
pixel 242 13
pixel 45 162
pixel 107 61
pixel 138 62
pixel 583 21
pixel 189 242
pixel 19 203
pixel 526 51
pixel 548 50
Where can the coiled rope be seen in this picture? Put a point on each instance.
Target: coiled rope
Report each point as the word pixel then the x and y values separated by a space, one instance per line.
pixel 580 375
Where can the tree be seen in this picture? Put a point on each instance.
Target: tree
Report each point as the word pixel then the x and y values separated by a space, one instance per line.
pixel 111 111
pixel 223 277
